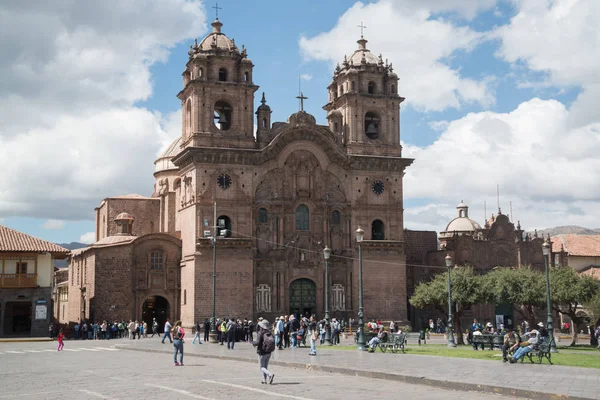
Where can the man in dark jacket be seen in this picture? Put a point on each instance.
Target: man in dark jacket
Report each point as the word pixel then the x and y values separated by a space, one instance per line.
pixel 206 329
pixel 264 355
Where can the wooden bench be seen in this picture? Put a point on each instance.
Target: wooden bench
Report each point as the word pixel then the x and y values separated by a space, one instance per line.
pixel 395 344
pixel 491 341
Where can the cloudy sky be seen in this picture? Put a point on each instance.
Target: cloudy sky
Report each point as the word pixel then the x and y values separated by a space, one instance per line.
pixel 498 93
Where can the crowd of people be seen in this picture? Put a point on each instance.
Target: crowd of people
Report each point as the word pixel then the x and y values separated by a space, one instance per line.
pixel 105 330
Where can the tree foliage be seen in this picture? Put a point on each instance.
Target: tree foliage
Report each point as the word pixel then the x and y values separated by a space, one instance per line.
pixel 466 291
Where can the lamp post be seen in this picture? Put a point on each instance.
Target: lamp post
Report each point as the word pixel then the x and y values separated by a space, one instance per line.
pixel 360 234
pixel 449 265
pixel 326 254
pixel 549 321
pixel 213 319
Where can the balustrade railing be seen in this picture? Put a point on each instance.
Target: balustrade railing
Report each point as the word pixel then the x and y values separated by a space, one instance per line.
pixel 18 280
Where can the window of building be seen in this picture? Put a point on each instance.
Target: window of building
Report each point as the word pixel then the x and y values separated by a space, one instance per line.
pixel 371 88
pixel 263 298
pixel 188 117
pixel 224 226
pixel 302 217
pixel 393 90
pixel 335 218
pixel 184 296
pixel 341 89
pixel 371 125
pixel 156 260
pixel 21 268
pixel 353 85
pixel 263 215
pixel 246 77
pixel 222 115
pixel 200 72
pixel 222 74
pixel 377 230
pixel 336 127
pixel 264 123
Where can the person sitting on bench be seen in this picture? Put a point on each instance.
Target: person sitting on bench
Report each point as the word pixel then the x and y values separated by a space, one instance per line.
pixel 377 339
pixel 511 343
pixel 526 346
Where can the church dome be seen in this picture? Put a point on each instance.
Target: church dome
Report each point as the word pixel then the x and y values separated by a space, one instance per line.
pixel 462 224
pixel 163 162
pixel 363 54
pixel 124 216
pixel 216 40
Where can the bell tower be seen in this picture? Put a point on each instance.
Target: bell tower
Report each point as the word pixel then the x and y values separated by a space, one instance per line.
pixel 364 106
pixel 217 100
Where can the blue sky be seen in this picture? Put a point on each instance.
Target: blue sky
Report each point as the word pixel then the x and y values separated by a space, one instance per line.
pixel 488 100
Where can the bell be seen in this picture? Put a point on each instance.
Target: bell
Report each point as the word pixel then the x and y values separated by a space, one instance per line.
pixel 372 129
pixel 222 119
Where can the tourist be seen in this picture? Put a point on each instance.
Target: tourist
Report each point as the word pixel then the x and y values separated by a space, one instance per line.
pixel 265 345
pixel 392 326
pixel 280 332
pixel 154 328
pixel 167 333
pixel 476 328
pixel 543 331
pixel 230 329
pixel 178 335
pixel 286 332
pixel 511 343
pixel 377 339
pixel 294 328
pixel 51 330
pixel 526 346
pixel 314 336
pixel 206 329
pixel 197 335
pixel 60 339
pixel 489 328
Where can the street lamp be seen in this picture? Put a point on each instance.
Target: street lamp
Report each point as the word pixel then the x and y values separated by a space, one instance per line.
pixel 213 319
pixel 326 254
pixel 360 234
pixel 449 265
pixel 546 253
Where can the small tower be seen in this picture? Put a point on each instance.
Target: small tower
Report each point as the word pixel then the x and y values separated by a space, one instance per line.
pixel 124 223
pixel 263 123
pixel 217 100
pixel 364 106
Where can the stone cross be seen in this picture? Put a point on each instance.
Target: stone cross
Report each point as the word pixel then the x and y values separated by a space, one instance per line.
pixel 362 27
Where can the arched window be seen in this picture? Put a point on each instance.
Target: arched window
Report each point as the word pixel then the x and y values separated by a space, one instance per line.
pixel 353 85
pixel 200 72
pixel 335 218
pixel 371 88
pixel 246 76
pixel 156 260
pixel 377 231
pixel 393 90
pixel 263 215
pixel 222 115
pixel 188 117
pixel 222 74
pixel 371 125
pixel 336 127
pixel 224 226
pixel 302 218
pixel 264 123
pixel 341 89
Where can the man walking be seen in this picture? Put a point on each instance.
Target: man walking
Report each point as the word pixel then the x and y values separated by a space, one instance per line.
pixel 265 345
pixel 167 332
pixel 280 331
pixel 230 329
pixel 206 329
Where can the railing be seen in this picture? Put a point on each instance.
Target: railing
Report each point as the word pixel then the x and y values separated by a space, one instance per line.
pixel 18 280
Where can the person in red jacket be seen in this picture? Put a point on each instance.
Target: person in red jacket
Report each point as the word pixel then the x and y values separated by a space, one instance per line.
pixel 61 342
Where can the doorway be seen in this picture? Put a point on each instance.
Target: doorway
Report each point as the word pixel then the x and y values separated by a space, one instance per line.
pixel 17 318
pixel 303 297
pixel 155 307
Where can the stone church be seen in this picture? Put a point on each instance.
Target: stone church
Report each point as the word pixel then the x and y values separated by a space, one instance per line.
pixel 276 193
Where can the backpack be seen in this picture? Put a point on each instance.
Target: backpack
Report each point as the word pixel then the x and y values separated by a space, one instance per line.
pixel 177 333
pixel 268 344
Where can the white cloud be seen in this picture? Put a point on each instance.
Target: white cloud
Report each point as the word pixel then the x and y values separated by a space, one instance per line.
pixel 438 125
pixel 550 172
pixel 52 224
pixel 416 44
pixel 306 77
pixel 88 238
pixel 558 38
pixel 70 76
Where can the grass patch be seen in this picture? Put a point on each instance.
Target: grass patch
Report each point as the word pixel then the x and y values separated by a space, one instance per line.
pixel 581 359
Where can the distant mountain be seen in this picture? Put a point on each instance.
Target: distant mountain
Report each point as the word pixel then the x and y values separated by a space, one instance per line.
pixel 70 246
pixel 570 229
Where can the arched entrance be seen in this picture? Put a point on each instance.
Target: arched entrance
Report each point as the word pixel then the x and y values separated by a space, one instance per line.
pixel 303 297
pixel 155 307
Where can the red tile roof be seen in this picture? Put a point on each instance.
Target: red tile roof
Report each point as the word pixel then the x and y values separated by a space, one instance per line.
pixel 577 245
pixel 11 240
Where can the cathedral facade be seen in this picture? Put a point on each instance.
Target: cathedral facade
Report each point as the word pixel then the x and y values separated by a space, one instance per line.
pixel 273 197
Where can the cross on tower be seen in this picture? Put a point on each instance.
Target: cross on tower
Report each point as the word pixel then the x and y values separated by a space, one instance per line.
pixel 301 97
pixel 362 27
pixel 217 8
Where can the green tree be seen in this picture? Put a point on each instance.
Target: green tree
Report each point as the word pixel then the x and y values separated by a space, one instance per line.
pixel 523 288
pixel 568 291
pixel 466 291
pixel 593 308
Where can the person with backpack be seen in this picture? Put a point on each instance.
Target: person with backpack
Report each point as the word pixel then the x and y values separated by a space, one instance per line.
pixel 265 345
pixel 178 335
pixel 197 335
pixel 230 330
